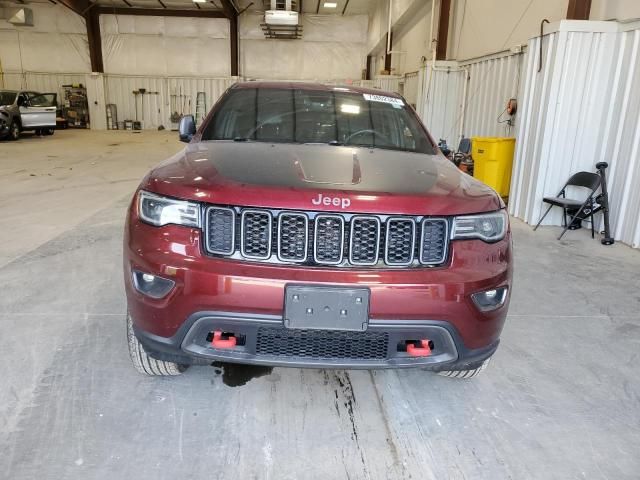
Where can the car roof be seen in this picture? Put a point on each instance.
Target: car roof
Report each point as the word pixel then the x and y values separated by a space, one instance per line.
pixel 313 86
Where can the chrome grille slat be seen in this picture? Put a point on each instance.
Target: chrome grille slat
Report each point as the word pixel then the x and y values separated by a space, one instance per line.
pixel 325 239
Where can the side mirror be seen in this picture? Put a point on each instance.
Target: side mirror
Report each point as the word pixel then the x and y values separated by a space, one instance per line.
pixel 21 101
pixel 187 128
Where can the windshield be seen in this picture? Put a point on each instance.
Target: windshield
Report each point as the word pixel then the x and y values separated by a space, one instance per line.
pixel 315 116
pixel 7 98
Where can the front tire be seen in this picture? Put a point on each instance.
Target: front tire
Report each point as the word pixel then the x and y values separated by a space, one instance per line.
pixel 14 131
pixel 465 374
pixel 145 364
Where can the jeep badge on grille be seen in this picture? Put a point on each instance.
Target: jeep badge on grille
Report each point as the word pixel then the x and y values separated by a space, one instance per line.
pixel 335 201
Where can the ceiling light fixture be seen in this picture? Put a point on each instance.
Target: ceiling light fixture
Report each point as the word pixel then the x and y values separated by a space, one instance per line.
pixel 329 4
pixel 199 1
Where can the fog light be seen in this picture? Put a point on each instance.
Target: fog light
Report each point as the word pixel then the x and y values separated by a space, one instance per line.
pixel 490 299
pixel 152 285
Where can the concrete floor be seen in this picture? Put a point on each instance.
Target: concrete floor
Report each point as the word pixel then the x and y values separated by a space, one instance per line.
pixel 560 400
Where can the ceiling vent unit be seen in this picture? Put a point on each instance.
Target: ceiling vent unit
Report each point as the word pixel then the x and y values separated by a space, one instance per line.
pixel 20 17
pixel 281 20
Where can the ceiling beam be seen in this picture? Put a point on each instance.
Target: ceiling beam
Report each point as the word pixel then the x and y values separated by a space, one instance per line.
pixel 579 10
pixel 160 12
pixel 77 6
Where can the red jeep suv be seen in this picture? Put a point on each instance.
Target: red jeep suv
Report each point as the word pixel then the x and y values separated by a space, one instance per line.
pixel 307 225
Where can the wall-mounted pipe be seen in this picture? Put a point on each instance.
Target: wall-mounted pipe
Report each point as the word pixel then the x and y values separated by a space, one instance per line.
pixel 434 43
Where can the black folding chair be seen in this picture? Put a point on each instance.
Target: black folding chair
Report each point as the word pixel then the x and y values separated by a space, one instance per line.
pixel 581 179
pixel 464 146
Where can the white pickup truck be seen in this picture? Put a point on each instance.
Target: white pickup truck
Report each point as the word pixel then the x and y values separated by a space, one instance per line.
pixel 26 110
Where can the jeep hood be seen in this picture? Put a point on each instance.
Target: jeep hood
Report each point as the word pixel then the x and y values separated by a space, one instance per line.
pixel 291 176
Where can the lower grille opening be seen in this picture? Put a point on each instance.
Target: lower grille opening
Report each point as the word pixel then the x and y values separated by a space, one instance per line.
pixel 322 344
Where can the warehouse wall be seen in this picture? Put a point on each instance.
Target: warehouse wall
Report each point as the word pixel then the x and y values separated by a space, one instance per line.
pixel 410 23
pixel 175 57
pixel 56 43
pixel 332 47
pixel 449 111
pixel 378 18
pixel 412 42
pixel 614 9
pixel 483 27
pixel 582 108
pixel 165 46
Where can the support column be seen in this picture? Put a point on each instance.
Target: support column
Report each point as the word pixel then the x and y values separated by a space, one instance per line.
pixel 92 21
pixel 578 9
pixel 387 57
pixel 443 29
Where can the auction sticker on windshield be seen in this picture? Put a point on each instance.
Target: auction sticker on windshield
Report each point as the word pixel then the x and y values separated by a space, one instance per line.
pixel 383 99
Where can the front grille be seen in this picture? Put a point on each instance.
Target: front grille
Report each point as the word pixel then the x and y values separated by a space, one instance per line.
pixel 321 344
pixel 321 239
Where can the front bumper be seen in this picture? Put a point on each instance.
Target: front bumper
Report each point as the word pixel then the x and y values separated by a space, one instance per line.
pixel 266 342
pixel 241 297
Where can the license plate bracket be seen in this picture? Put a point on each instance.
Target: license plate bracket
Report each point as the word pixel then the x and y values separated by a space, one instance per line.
pixel 326 308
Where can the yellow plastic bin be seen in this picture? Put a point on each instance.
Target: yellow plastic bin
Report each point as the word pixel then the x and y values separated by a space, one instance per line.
pixel 492 162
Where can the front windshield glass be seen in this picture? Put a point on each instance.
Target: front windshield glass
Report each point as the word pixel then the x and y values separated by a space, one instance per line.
pixel 317 116
pixel 7 98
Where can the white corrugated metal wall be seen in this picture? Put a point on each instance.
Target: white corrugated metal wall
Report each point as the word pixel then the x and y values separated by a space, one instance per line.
pixel 174 94
pixel 491 82
pixel 410 85
pixel 440 105
pixel 582 108
pixel 40 82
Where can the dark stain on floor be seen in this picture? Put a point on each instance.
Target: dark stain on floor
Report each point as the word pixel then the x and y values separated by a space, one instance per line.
pixel 236 375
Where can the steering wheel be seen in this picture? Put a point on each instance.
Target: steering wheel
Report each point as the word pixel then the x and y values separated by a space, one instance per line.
pixel 367 130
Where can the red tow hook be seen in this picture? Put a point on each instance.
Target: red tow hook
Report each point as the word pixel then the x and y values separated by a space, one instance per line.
pixel 424 350
pixel 219 342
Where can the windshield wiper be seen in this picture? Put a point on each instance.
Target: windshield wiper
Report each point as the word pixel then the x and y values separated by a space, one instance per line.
pixel 240 139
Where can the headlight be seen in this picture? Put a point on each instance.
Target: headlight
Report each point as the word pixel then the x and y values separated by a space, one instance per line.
pixel 160 211
pixel 489 227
